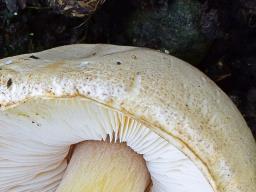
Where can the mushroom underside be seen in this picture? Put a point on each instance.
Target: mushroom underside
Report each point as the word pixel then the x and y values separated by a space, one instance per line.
pixel 36 137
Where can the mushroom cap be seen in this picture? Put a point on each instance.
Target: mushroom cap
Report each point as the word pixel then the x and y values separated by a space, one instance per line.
pixel 171 97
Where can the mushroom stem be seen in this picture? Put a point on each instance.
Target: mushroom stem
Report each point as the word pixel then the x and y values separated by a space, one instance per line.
pixel 98 166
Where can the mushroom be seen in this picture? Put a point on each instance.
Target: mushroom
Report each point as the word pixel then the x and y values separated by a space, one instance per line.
pixel 112 118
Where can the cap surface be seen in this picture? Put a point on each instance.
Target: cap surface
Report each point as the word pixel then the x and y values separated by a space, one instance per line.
pixel 168 95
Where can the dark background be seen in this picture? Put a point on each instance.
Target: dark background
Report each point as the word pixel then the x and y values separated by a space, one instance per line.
pixel 216 36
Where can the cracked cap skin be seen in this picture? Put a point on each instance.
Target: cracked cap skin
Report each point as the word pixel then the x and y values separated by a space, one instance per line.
pixel 169 96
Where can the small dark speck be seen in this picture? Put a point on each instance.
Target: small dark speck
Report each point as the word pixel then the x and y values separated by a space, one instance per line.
pixel 34 57
pixel 9 83
pixel 1 68
pixel 134 57
pixel 38 125
pixel 118 63
pixel 33 122
pixel 93 54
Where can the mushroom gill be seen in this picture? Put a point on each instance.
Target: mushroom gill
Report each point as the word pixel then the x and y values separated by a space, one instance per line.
pixel 38 133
